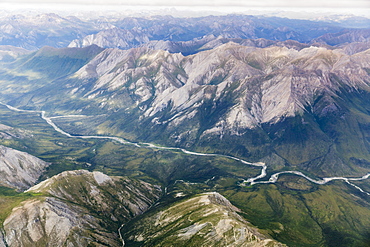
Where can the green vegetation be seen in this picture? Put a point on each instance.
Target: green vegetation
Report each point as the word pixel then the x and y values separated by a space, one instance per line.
pixel 9 199
pixel 201 220
pixel 45 60
pixel 308 215
pixel 331 138
pixel 164 166
pixel 293 211
pixel 40 139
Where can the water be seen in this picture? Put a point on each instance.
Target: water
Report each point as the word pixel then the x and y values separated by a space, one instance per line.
pixel 253 180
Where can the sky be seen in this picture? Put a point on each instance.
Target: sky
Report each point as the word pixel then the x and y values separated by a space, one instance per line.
pixel 244 3
pixel 354 7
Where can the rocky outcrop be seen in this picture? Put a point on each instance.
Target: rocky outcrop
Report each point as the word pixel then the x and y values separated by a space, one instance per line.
pixel 78 208
pixel 2 239
pixel 259 85
pixel 100 192
pixel 19 170
pixel 205 220
pixel 53 222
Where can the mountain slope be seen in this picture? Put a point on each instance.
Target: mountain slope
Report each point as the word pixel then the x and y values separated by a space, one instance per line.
pixel 19 170
pixel 229 93
pixel 299 213
pixel 78 208
pixel 68 60
pixel 204 220
pixel 262 101
pixel 241 86
pixel 346 36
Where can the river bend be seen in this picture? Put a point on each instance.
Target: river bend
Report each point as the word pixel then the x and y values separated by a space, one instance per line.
pixel 254 180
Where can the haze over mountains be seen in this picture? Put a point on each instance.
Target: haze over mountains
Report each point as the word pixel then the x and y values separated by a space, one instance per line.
pixel 33 32
pixel 293 94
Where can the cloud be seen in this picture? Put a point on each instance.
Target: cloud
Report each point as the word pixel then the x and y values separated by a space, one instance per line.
pixel 244 3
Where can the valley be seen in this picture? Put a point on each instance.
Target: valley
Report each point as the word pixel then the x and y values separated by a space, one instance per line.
pixel 227 130
pixel 273 179
pixel 190 187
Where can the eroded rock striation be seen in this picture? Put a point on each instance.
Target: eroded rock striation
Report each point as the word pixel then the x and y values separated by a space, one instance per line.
pixel 18 169
pixel 204 220
pixel 78 208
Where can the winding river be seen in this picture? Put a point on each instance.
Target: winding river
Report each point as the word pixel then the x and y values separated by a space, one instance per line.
pixel 254 180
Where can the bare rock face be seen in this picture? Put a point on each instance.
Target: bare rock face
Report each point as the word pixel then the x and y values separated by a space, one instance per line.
pixel 101 192
pixel 19 170
pixel 55 223
pixel 249 86
pixel 78 208
pixel 237 94
pixel 2 240
pixel 205 220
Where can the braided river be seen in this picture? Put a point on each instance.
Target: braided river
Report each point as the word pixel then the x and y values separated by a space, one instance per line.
pixel 251 181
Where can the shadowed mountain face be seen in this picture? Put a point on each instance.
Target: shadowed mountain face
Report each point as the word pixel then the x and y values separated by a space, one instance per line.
pixel 307 106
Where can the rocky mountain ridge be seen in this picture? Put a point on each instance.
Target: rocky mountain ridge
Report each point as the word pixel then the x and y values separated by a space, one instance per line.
pixel 19 170
pixel 126 39
pixel 209 217
pixel 34 32
pixel 81 208
pixel 233 86
pixel 289 82
pixel 77 208
pixel 226 93
pixel 115 37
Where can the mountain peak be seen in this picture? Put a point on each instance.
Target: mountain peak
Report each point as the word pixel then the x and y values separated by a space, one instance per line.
pixel 214 222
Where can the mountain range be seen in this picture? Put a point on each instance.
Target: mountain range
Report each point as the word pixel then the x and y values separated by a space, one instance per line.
pixel 234 93
pixel 49 29
pixel 207 104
